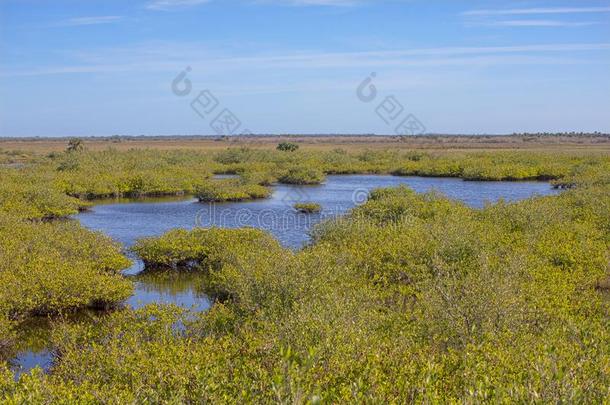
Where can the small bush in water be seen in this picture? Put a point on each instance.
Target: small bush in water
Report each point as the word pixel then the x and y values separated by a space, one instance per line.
pixel 308 208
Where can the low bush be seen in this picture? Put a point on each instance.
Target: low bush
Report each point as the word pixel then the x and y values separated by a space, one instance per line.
pixel 301 176
pixel 133 173
pixel 230 190
pixel 31 195
pixel 57 267
pixel 287 147
pixel 262 178
pixel 234 260
pixel 308 208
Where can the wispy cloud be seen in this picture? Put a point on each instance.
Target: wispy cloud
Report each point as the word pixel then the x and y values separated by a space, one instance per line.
pixel 334 3
pixel 542 10
pixel 526 17
pixel 173 4
pixel 539 23
pixel 173 57
pixel 94 20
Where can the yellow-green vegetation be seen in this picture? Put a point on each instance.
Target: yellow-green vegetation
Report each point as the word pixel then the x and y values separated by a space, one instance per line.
pixel 302 175
pixel 409 298
pixel 230 190
pixel 308 208
pixel 29 193
pixel 7 334
pixel 492 166
pixel 132 173
pixel 53 268
pixel 39 189
pixel 58 266
pixel 222 255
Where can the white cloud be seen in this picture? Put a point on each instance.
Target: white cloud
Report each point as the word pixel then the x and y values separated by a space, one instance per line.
pixel 106 19
pixel 539 23
pixel 530 11
pixel 171 4
pixel 334 3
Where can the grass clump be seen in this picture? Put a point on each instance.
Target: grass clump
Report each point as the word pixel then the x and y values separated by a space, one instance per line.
pixel 50 268
pixel 302 176
pixel 132 173
pixel 30 194
pixel 234 260
pixel 230 190
pixel 308 208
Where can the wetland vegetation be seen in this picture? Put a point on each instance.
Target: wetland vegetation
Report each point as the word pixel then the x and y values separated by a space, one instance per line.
pixel 410 296
pixel 308 208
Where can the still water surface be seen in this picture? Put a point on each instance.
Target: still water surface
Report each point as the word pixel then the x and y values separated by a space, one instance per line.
pixel 126 221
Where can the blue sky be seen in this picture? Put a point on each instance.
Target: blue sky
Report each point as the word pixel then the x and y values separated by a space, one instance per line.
pixel 79 68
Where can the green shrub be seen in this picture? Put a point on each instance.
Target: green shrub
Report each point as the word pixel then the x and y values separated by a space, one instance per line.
pixel 287 147
pixel 235 260
pixel 132 173
pixel 308 208
pixel 57 267
pixel 31 195
pixel 230 190
pixel 302 176
pixel 262 178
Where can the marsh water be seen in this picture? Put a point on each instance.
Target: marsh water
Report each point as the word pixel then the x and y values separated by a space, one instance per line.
pixel 126 221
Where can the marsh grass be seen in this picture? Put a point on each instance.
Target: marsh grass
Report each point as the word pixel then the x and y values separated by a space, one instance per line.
pixel 230 190
pixel 51 268
pixel 409 298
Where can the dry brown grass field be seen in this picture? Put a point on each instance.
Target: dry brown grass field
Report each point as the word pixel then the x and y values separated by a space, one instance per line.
pixel 572 143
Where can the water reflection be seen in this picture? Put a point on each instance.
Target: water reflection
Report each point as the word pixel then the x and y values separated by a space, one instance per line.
pixel 182 289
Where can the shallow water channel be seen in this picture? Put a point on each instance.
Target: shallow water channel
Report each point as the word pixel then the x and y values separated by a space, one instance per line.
pixel 126 221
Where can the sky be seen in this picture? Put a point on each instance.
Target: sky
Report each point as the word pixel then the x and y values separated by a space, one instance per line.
pixel 186 67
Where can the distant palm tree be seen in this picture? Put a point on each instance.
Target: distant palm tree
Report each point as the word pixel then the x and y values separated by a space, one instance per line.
pixel 75 145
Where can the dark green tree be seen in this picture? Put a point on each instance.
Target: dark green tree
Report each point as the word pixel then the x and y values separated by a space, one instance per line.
pixel 287 147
